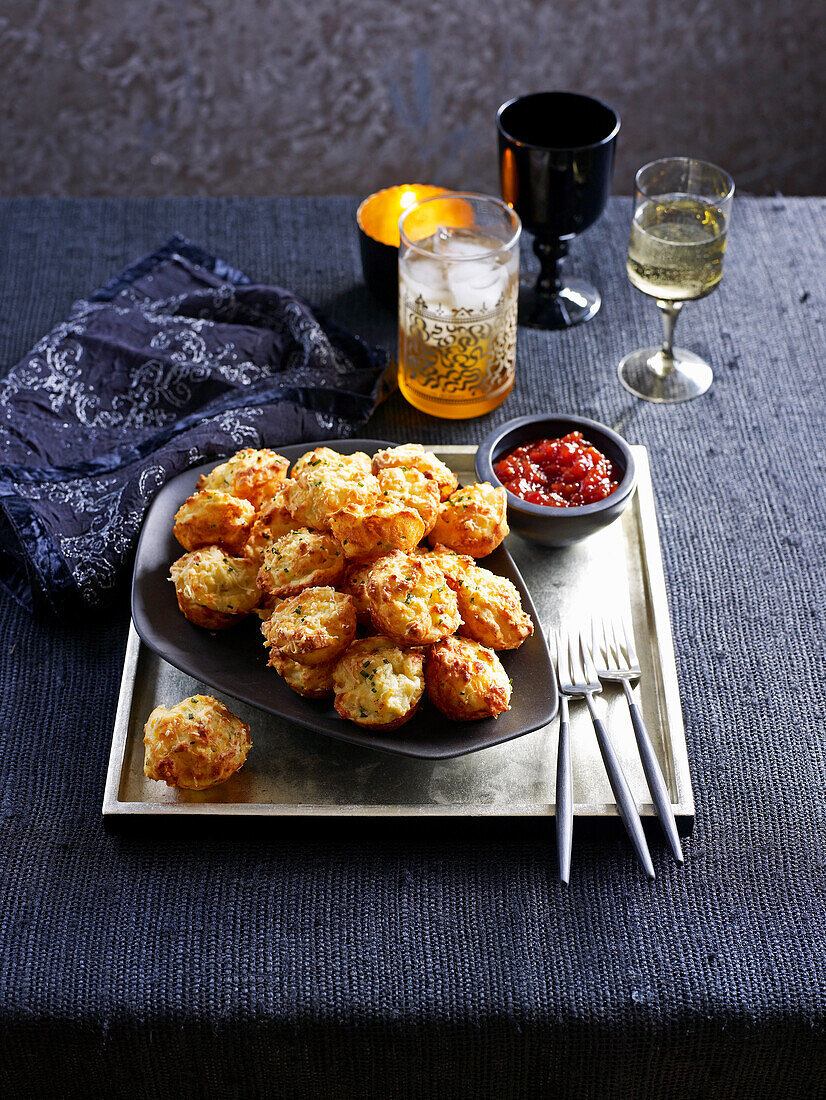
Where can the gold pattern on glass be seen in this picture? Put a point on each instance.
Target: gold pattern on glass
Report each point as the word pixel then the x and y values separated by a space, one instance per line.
pixel 457 322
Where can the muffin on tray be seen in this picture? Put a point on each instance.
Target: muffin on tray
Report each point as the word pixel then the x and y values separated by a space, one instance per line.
pixel 491 610
pixel 313 628
pixel 248 474
pixel 466 681
pixel 377 684
pixel 412 488
pixel 378 529
pixel 453 565
pixel 358 462
pixel 314 495
pixel 410 600
pixel 214 589
pixel 214 518
pixel 416 457
pixel 195 744
pixel 473 520
pixel 298 560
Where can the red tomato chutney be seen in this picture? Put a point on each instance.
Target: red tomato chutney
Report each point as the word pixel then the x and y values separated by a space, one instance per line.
pixel 560 473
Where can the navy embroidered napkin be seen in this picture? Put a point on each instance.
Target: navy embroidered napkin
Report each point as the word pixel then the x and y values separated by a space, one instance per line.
pixel 179 359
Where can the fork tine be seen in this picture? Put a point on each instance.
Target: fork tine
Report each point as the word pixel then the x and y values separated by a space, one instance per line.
pixel 596 640
pixel 561 663
pixel 577 670
pixel 617 655
pixel 588 662
pixel 628 638
pixel 608 648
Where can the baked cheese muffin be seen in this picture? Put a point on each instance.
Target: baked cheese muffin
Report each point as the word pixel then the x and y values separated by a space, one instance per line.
pixel 377 684
pixel 415 456
pixel 214 590
pixel 273 521
pixel 473 520
pixel 248 474
pixel 410 600
pixel 214 518
pixel 311 681
pixel 298 560
pixel 412 488
pixel 491 610
pixel 195 744
pixel 453 565
pixel 316 494
pixel 366 533
pixel 358 462
pixel 466 681
pixel 313 628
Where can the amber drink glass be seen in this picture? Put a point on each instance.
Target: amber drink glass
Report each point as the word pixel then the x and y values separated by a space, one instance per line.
pixel 458 289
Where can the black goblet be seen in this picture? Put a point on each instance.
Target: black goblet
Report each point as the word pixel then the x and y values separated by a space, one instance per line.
pixel 556 159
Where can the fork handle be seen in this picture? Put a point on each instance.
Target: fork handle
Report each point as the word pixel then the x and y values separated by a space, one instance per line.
pixel 564 794
pixel 654 777
pixel 622 792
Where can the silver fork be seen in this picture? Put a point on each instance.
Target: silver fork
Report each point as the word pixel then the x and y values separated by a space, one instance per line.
pixel 616 659
pixel 564 775
pixel 577 678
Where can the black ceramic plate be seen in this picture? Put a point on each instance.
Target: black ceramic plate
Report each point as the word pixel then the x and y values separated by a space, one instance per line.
pixel 234 661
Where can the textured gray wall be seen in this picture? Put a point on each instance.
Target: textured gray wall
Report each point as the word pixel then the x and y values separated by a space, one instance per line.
pixel 222 97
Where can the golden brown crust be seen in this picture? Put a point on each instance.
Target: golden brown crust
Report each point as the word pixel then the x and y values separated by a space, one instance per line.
pixel 311 681
pixel 378 685
pixel 195 744
pixel 314 627
pixel 213 518
pixel 369 533
pixel 466 681
pixel 273 521
pixel 317 494
pixel 358 462
pixel 411 488
pixel 473 521
pixel 214 590
pixel 453 565
pixel 355 585
pixel 314 459
pixel 491 610
pixel 415 456
pixel 298 560
pixel 410 600
pixel 248 474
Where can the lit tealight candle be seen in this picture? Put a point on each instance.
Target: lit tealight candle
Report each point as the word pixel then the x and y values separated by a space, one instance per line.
pixel 378 224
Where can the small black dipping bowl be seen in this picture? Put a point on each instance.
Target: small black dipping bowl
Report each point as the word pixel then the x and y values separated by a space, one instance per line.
pixel 541 523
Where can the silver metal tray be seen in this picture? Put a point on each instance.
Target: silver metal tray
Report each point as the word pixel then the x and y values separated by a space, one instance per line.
pixel 293 771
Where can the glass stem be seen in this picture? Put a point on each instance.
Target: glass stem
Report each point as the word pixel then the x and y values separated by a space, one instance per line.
pixel 551 254
pixel 664 363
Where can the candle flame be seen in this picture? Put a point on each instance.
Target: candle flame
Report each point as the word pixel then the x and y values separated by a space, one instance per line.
pixel 378 215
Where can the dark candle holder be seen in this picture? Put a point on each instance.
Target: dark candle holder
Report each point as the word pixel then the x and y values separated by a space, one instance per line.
pixel 377 219
pixel 556 160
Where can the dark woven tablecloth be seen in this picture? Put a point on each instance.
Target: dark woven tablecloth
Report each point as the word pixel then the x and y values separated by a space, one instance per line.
pixel 308 960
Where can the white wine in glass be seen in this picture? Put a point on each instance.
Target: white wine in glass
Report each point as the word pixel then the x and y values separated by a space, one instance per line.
pixel 675 254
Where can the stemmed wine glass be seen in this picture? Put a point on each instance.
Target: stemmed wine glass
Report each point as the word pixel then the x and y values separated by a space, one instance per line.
pixel 556 158
pixel 682 209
